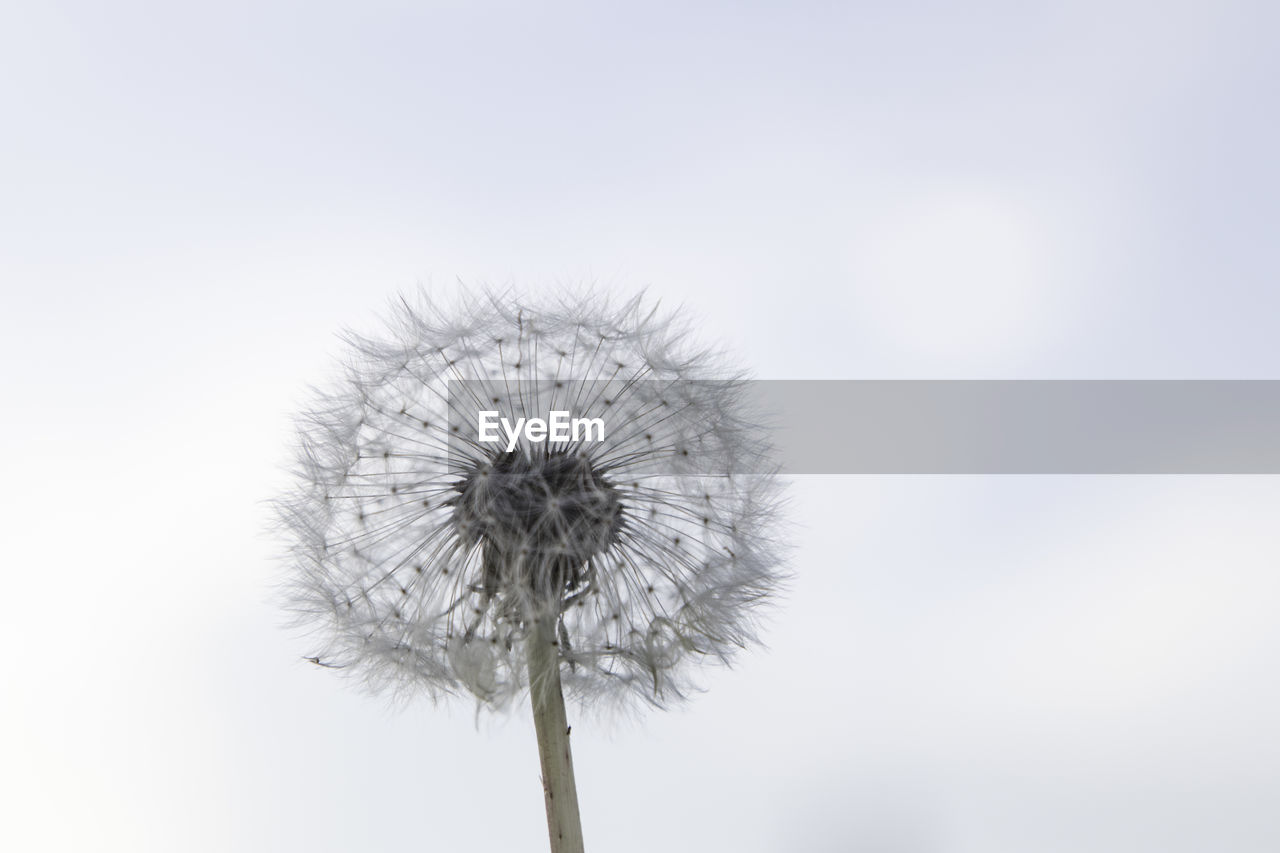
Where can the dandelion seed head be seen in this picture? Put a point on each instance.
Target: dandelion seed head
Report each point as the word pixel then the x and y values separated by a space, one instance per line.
pixel 421 558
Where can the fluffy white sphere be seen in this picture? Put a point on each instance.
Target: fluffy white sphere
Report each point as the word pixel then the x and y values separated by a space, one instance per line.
pixel 422 556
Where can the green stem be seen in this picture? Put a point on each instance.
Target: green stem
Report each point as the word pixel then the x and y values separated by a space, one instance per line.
pixel 563 821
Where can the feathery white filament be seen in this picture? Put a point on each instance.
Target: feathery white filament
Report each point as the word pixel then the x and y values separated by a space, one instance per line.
pixel 422 557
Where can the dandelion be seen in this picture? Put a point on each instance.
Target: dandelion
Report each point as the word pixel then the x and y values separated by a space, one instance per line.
pixel 602 565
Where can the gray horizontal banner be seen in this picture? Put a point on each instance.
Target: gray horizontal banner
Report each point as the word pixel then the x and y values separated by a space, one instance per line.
pixel 1024 427
pixel 879 426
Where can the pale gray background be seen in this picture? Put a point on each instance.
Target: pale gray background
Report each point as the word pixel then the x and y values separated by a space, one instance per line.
pixel 194 197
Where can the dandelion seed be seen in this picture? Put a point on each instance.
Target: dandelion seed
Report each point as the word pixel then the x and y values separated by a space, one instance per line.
pixel 429 561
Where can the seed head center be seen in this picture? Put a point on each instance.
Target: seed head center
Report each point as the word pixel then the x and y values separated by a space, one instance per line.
pixel 540 518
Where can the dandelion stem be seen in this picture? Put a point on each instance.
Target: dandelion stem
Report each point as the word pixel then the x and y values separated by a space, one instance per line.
pixel 563 822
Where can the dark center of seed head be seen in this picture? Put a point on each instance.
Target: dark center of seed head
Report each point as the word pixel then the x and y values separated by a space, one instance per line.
pixel 539 519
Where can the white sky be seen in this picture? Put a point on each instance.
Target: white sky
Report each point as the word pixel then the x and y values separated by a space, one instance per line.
pixel 194 199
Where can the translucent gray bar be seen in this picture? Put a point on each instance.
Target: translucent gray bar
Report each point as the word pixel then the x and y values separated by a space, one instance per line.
pixel 914 427
pixel 1024 427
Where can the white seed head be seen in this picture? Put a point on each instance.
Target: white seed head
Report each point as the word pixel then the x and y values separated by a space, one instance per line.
pixel 421 556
